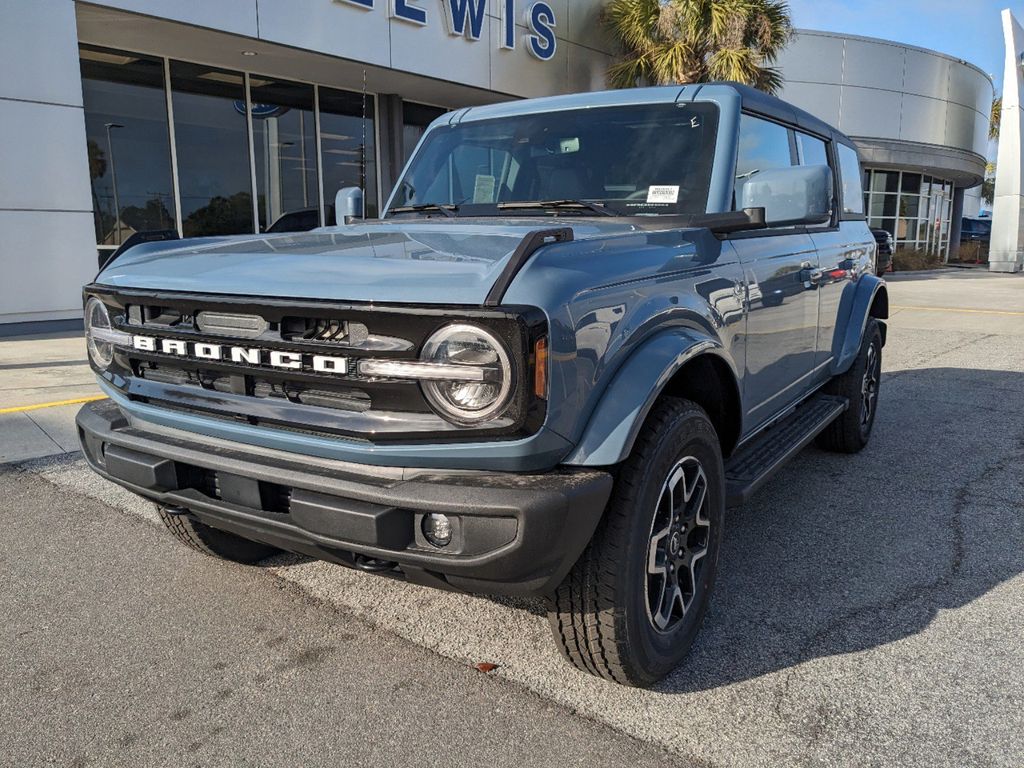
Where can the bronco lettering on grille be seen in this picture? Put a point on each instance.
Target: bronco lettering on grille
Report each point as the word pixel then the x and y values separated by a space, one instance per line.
pixel 294 361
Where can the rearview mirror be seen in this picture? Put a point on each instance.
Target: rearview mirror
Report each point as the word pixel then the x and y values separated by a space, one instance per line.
pixel 348 205
pixel 790 196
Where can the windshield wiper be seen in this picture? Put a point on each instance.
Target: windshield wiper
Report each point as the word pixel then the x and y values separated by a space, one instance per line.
pixel 543 205
pixel 448 210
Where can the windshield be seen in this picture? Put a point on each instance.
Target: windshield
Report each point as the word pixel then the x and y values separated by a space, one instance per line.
pixel 635 160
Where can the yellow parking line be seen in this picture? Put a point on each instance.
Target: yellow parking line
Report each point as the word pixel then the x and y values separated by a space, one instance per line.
pixel 965 311
pixel 75 401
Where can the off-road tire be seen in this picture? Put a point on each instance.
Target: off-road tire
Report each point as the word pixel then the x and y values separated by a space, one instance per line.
pixel 852 430
pixel 600 615
pixel 214 542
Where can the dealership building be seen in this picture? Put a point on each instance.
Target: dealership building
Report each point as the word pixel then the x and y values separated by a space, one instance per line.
pixel 205 118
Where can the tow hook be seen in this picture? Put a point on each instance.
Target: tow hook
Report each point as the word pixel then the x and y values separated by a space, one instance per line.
pixel 373 565
pixel 176 511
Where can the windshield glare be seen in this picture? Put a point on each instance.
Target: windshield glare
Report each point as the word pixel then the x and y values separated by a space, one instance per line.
pixel 635 160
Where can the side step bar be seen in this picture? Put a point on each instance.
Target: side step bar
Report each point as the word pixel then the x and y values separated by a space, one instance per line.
pixel 757 461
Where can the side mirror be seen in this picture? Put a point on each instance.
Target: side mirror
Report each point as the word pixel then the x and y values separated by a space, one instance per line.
pixel 790 196
pixel 348 205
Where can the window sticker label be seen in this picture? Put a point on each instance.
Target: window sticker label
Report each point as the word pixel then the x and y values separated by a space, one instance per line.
pixel 483 191
pixel 663 194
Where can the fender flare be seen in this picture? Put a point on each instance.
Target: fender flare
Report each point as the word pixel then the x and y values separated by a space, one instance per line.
pixel 854 312
pixel 627 400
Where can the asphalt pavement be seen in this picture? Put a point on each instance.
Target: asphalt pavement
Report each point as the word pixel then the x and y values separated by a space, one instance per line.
pixel 122 650
pixel 869 611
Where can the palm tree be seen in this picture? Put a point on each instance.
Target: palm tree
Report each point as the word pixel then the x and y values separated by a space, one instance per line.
pixel 995 118
pixel 696 41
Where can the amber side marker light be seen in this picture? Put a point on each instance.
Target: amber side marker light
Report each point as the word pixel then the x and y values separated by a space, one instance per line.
pixel 540 367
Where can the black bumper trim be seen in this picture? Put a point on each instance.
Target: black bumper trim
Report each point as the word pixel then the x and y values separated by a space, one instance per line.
pixel 513 533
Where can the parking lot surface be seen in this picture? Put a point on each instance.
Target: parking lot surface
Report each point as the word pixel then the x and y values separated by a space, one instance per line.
pixel 868 610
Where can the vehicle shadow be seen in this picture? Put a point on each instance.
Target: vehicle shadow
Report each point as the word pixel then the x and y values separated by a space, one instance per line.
pixel 840 554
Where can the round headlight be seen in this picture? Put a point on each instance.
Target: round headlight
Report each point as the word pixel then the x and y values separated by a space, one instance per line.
pixel 487 386
pixel 97 329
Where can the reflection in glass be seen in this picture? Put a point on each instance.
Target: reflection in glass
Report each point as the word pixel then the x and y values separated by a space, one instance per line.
pixel 284 141
pixel 763 146
pixel 885 181
pixel 416 118
pixel 812 150
pixel 349 147
pixel 128 143
pixel 213 150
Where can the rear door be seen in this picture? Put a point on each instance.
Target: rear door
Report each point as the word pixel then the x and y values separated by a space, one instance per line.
pixel 845 251
pixel 782 322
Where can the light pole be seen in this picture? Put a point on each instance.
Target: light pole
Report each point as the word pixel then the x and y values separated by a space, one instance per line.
pixel 113 179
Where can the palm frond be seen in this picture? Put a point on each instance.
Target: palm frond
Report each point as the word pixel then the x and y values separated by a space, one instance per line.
pixel 684 41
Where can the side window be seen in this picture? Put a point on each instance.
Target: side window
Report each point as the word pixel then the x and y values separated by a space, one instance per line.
pixel 813 151
pixel 763 146
pixel 853 192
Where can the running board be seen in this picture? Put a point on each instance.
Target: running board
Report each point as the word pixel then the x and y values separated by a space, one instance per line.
pixel 757 461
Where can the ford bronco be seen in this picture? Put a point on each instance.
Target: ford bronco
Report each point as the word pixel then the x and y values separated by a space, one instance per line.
pixel 583 327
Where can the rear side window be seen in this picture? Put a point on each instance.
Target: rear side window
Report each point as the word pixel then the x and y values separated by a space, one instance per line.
pixel 853 191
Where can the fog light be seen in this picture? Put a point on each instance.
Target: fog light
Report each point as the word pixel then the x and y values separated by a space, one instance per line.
pixel 437 529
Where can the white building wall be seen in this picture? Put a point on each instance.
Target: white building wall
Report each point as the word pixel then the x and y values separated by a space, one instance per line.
pixel 47 248
pixel 374 37
pixel 1006 253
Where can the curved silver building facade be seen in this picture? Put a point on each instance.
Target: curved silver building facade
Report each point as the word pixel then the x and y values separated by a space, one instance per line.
pixel 920 119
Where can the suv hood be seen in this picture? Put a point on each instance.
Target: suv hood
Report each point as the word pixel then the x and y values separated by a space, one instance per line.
pixel 425 261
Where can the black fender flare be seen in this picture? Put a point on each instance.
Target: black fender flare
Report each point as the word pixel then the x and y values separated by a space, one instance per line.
pixel 854 313
pixel 638 383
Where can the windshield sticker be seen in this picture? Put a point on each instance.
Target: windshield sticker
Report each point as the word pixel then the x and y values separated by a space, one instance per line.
pixel 483 191
pixel 663 195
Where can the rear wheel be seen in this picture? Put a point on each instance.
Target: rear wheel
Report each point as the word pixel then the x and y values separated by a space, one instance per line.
pixel 634 602
pixel 860 386
pixel 214 542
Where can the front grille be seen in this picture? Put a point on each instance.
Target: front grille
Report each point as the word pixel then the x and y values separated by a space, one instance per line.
pixel 339 398
pixel 324 330
pixel 236 378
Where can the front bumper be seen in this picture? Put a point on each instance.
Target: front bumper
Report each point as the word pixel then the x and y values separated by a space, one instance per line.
pixel 512 533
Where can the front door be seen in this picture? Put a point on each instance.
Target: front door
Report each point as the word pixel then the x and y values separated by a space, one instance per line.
pixel 780 266
pixel 782 320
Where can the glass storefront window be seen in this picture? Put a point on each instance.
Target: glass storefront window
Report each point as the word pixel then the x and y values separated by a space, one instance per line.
pixel 348 147
pixel 916 209
pixel 885 181
pixel 284 144
pixel 911 184
pixel 128 143
pixel 136 154
pixel 910 205
pixel 883 205
pixel 212 140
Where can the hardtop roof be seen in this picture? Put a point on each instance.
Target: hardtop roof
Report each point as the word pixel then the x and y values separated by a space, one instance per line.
pixel 752 100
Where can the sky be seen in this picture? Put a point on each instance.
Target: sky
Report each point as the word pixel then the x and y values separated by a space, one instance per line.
pixel 968 29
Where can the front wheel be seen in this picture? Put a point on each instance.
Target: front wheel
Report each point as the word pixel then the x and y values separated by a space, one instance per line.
pixel 213 541
pixel 634 602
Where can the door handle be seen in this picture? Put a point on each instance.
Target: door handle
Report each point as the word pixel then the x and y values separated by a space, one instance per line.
pixel 810 275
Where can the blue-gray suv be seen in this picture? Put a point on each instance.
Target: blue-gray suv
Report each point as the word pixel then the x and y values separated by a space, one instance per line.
pixel 584 327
